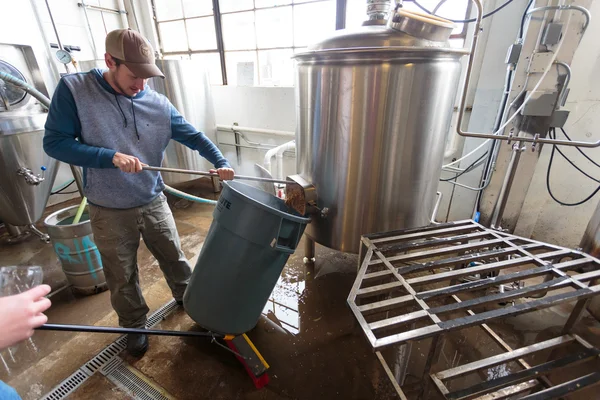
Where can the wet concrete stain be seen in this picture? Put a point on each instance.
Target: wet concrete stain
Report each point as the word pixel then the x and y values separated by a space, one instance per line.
pixel 307 333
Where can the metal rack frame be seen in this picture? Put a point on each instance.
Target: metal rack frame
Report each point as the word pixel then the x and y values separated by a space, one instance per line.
pixel 526 379
pixel 409 283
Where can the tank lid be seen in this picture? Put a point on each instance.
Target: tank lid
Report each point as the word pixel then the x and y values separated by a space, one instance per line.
pixel 424 26
pixel 406 31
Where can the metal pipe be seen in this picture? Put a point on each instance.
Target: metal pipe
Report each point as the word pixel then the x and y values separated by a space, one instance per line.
pixel 43 237
pixel 78 177
pixel 233 128
pixel 54 25
pixel 436 207
pixel 585 11
pixel 203 173
pixel 238 151
pixel 109 329
pixel 340 14
pixel 563 93
pixel 219 37
pixel 87 20
pixel 103 9
pixel 309 250
pixel 461 111
pixel 500 205
pixel 123 13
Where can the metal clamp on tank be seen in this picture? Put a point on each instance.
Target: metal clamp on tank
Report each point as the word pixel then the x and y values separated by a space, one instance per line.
pixel 30 177
pixel 429 27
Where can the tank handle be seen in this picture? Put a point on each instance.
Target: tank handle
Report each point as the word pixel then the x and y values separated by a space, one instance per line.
pixel 288 236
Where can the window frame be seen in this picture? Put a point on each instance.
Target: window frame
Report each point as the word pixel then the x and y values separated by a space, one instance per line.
pixel 340 22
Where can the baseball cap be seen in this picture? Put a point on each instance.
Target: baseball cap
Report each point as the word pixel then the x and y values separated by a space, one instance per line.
pixel 133 50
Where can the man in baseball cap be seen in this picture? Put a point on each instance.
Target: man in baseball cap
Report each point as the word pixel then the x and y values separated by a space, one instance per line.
pixel 111 123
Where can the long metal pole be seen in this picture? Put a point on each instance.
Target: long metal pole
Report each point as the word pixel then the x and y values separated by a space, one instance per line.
pixel 506 186
pixel 110 329
pixel 203 173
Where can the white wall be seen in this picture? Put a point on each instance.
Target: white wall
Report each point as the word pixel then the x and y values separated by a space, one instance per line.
pixel 255 107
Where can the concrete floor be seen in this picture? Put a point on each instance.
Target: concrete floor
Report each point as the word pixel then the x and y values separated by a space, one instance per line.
pixel 307 333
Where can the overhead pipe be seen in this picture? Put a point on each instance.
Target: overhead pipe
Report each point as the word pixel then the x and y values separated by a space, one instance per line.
pixel 495 135
pixel 234 128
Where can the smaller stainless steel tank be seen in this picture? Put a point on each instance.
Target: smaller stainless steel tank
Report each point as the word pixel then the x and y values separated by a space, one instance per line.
pixel 23 196
pixel 373 107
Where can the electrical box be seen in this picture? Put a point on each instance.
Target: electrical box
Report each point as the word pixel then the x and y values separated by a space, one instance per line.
pixel 559 118
pixel 514 52
pixel 552 34
pixel 541 104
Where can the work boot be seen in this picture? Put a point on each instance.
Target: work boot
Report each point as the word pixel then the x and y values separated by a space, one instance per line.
pixel 137 344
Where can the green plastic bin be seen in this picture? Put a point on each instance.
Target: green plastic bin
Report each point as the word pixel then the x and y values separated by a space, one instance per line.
pixel 252 235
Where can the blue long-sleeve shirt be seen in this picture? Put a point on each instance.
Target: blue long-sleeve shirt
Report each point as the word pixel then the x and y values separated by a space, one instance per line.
pixel 89 122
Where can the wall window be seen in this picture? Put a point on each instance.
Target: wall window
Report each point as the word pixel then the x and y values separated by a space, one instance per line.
pixel 259 37
pixel 186 29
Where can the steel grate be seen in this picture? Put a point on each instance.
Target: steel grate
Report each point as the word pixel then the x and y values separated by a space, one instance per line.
pixel 111 351
pixel 111 366
pixel 418 276
pixel 160 314
pixel 523 381
pixel 67 386
pixel 136 384
pixel 106 356
pixel 425 282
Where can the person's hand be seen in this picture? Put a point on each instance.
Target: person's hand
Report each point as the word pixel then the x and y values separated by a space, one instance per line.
pixel 21 313
pixel 127 163
pixel 225 174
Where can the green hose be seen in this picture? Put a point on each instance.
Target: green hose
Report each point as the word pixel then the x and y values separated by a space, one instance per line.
pixel 187 196
pixel 80 211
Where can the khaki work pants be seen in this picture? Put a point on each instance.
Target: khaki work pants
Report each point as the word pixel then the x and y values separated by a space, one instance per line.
pixel 117 236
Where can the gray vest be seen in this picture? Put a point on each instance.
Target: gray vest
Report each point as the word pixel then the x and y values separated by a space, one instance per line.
pixel 110 121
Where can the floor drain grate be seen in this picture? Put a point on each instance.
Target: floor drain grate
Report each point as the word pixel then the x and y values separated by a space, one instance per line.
pixel 105 357
pixel 111 351
pixel 67 386
pixel 160 314
pixel 111 366
pixel 136 384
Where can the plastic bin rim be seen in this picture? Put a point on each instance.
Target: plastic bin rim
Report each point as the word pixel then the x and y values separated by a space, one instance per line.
pixel 270 209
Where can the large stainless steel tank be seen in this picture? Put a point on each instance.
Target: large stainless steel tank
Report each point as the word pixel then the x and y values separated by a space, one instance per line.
pixel 23 192
pixel 187 86
pixel 373 107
